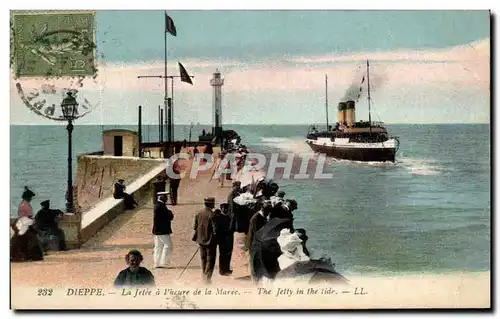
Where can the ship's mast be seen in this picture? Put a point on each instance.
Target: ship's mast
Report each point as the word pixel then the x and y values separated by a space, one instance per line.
pixel 326 100
pixel 369 98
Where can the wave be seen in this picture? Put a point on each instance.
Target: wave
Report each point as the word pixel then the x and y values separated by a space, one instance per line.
pixel 420 166
pixel 381 164
pixel 295 145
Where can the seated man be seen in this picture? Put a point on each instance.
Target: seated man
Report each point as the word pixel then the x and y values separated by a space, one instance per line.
pixel 134 274
pixel 46 221
pixel 119 193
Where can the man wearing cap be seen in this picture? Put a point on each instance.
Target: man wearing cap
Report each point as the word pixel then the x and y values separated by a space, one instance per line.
pixel 205 228
pixel 162 228
pixel 25 209
pixel 46 221
pixel 119 192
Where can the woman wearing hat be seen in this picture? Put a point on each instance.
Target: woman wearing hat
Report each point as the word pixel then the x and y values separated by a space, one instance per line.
pixel 25 209
pixel 24 244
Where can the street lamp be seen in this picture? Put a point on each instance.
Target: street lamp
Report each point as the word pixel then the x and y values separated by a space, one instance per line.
pixel 70 111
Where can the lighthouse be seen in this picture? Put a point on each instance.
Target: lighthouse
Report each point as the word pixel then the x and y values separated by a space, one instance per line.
pixel 217 83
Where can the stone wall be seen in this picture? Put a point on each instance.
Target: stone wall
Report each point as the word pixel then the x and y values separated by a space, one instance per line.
pixel 96 176
pixel 110 208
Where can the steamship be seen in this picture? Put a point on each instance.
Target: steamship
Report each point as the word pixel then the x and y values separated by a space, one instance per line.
pixel 351 140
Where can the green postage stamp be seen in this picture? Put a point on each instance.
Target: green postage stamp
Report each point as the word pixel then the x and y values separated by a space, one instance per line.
pixel 53 44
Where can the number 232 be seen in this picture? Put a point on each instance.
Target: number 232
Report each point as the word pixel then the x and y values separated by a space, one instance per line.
pixel 44 292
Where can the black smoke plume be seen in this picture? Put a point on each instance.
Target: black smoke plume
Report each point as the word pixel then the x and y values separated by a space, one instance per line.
pixel 378 79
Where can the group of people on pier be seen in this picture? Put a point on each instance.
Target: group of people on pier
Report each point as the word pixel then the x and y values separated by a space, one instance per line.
pixel 256 222
pixel 32 235
pixel 240 157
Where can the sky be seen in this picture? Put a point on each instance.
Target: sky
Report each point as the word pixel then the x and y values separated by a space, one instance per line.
pixel 425 66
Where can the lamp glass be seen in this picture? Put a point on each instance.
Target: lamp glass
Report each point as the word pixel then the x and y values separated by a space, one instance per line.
pixel 69 106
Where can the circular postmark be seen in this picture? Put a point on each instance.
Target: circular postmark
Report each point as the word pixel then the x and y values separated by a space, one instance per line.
pixel 45 98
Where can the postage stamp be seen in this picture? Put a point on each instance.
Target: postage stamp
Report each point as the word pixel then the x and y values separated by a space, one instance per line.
pixel 54 44
pixel 236 200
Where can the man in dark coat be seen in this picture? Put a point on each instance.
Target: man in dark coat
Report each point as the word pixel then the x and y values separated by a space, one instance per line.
pixel 177 147
pixel 175 180
pixel 205 228
pixel 134 274
pixel 46 223
pixel 225 239
pixel 240 219
pixel 119 192
pixel 235 192
pixel 258 220
pixel 195 151
pixel 162 228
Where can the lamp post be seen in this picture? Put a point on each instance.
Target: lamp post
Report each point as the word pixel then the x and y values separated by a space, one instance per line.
pixel 70 112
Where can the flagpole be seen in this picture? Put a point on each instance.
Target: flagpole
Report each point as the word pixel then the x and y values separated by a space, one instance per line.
pixel 160 124
pixel 369 97
pixel 167 107
pixel 172 111
pixel 326 100
pixel 185 77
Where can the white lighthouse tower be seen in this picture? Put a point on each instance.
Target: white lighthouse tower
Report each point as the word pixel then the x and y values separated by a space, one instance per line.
pixel 217 82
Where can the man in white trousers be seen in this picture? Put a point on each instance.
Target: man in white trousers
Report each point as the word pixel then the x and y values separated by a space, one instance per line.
pixel 162 228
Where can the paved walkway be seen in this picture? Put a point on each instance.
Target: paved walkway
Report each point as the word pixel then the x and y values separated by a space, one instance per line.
pixel 102 257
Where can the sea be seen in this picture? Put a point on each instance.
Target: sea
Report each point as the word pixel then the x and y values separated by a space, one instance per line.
pixel 429 212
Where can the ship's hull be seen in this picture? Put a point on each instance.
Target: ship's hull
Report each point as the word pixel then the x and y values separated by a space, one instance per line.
pixel 356 151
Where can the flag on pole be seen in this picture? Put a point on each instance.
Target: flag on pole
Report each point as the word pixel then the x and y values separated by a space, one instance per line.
pixel 360 88
pixel 359 94
pixel 184 75
pixel 170 26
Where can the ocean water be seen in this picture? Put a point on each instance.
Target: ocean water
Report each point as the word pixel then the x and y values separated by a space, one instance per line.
pixel 429 212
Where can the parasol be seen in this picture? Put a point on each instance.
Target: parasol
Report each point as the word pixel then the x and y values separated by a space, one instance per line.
pixel 315 271
pixel 266 250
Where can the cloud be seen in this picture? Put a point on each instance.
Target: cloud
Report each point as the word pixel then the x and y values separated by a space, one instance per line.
pixel 477 50
pixel 457 79
pixel 467 65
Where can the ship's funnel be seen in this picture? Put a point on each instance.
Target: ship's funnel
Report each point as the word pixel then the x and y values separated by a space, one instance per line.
pixel 351 105
pixel 350 113
pixel 341 113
